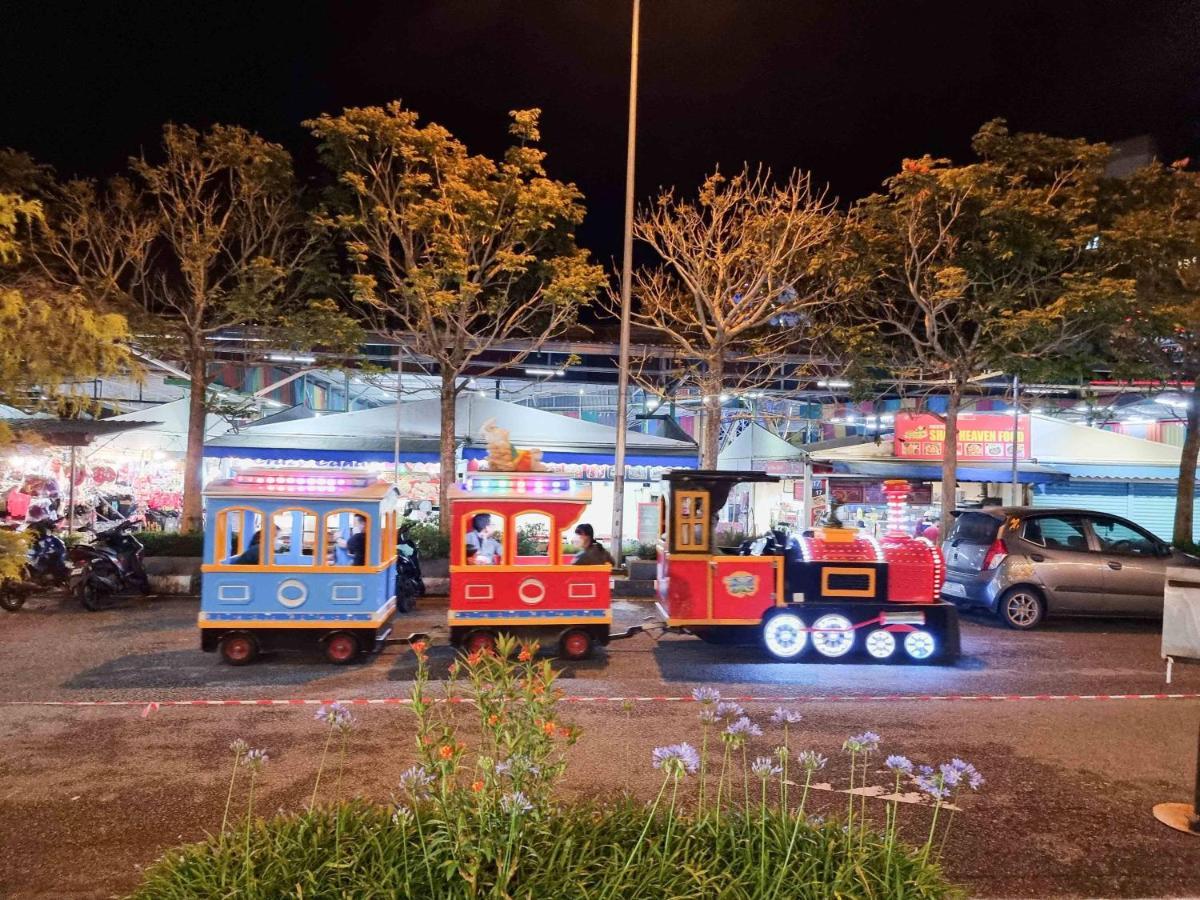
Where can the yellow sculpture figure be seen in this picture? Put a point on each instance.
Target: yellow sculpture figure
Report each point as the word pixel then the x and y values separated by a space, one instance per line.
pixel 503 457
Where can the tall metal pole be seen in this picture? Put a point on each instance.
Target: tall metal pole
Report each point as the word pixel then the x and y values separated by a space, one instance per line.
pixel 399 397
pixel 1016 480
pixel 626 293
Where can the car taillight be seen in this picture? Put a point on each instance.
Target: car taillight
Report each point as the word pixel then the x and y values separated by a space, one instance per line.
pixel 995 555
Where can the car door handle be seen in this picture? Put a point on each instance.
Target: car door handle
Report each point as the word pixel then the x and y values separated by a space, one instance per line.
pixel 1037 557
pixel 1113 564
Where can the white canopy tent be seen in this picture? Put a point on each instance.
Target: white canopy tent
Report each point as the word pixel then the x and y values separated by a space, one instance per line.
pixel 165 430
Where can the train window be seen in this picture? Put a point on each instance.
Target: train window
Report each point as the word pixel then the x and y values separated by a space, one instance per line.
pixel 294 538
pixel 238 537
pixel 691 521
pixel 348 538
pixel 533 539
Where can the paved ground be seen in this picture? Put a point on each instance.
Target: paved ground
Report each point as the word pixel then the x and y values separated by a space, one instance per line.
pixel 88 795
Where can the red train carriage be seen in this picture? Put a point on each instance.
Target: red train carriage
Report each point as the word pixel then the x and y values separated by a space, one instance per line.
pixel 832 592
pixel 511 575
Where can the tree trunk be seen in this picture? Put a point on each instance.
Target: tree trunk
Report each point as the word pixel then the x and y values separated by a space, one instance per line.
pixel 950 460
pixel 710 423
pixel 1185 496
pixel 448 397
pixel 193 464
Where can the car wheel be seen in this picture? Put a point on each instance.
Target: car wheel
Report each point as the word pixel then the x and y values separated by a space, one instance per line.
pixel 1022 608
pixel 10 598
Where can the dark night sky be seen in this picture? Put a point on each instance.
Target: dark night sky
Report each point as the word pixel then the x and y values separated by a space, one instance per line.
pixel 845 88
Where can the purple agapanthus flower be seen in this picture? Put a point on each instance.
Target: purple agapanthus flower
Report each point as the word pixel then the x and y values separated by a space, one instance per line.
pixel 676 759
pixel 238 747
pixel 706 695
pixel 255 760
pixel 744 727
pixel 515 803
pixel 709 716
pixel 415 781
pixel 811 760
pixel 933 786
pixel 729 710
pixel 783 716
pixel 503 767
pixel 965 772
pixel 401 816
pixel 899 763
pixel 949 775
pixel 764 767
pixel 924 770
pixel 336 715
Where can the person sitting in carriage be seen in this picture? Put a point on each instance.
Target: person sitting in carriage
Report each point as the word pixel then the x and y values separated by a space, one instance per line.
pixel 591 552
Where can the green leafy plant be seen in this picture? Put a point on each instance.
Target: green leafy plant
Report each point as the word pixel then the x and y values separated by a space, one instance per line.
pixel 167 543
pixel 429 540
pixel 647 552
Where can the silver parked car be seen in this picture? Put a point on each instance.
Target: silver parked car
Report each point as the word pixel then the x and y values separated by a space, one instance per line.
pixel 1021 563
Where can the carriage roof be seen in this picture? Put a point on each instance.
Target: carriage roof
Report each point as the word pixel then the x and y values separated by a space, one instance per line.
pixel 314 484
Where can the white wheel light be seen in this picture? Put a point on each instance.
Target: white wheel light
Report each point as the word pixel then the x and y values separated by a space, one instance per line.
pixel 919 644
pixel 833 635
pixel 784 635
pixel 881 644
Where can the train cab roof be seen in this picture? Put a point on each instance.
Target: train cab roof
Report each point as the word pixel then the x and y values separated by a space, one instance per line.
pixel 316 484
pixel 717 483
pixel 521 486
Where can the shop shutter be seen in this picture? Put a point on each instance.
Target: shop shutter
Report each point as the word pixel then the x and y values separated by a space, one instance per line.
pixel 1107 497
pixel 1153 507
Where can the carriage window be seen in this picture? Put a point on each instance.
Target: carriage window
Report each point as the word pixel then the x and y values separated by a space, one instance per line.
pixel 236 542
pixel 294 538
pixel 348 538
pixel 533 539
pixel 691 520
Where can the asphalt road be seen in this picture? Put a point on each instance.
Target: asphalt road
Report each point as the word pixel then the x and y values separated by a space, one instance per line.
pixel 90 794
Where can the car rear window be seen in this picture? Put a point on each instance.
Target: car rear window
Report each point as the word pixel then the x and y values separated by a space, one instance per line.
pixel 974 528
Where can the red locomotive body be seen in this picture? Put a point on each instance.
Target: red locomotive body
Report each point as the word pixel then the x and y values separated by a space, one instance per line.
pixel 833 589
pixel 521 584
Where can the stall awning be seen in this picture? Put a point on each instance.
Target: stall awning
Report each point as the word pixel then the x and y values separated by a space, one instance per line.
pixel 1027 473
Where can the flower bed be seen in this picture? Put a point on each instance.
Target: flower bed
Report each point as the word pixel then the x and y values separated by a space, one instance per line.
pixel 487 822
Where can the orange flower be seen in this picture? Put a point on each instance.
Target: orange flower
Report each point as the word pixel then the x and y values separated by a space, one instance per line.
pixel 493 719
pixel 477 786
pixel 549 728
pixel 564 732
pixel 419 647
pixel 474 658
pixel 445 751
pixel 524 655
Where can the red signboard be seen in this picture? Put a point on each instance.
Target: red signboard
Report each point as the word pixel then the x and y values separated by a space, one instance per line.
pixel 982 437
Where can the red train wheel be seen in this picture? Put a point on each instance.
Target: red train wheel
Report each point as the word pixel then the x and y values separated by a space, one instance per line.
pixel 341 647
pixel 238 649
pixel 479 642
pixel 575 644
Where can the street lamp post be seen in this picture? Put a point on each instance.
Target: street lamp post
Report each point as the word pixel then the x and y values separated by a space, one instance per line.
pixel 626 293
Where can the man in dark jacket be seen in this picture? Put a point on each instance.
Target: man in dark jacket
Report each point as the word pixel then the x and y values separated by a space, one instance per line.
pixel 591 552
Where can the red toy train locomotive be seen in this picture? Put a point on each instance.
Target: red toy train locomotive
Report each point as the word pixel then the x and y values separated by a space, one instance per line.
pixel 834 590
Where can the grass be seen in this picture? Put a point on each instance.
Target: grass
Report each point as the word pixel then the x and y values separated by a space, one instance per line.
pixel 573 851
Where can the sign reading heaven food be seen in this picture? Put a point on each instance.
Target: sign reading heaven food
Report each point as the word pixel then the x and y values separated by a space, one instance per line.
pixel 982 437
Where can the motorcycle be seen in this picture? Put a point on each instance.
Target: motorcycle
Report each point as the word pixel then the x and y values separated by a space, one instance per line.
pixel 109 566
pixel 409 583
pixel 45 567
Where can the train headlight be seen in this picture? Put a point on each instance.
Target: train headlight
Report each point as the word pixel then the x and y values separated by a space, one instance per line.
pixel 833 635
pixel 919 644
pixel 784 635
pixel 881 644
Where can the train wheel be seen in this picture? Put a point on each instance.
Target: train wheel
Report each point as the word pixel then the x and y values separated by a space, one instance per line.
pixel 919 644
pixel 239 649
pixel 575 644
pixel 479 642
pixel 833 636
pixel 784 636
pixel 881 644
pixel 341 647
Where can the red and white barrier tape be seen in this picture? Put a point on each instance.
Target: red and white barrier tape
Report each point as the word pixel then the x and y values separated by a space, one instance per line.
pixel 149 706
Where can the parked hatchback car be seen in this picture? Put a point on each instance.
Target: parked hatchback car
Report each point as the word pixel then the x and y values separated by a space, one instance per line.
pixel 1021 563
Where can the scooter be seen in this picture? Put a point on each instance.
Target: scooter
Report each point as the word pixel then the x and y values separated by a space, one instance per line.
pixel 108 567
pixel 45 567
pixel 409 584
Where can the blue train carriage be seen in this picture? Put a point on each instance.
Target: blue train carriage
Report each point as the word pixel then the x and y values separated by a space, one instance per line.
pixel 298 560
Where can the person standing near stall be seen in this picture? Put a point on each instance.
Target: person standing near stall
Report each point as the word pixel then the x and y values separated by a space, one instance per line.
pixel 591 552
